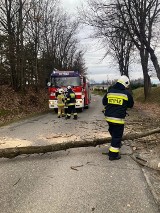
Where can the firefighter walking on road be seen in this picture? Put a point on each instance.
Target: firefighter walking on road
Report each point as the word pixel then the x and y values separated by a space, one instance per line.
pixel 71 102
pixel 116 102
pixel 60 103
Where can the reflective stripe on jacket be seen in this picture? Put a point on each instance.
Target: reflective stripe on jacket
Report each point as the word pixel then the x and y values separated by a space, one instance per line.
pixel 115 120
pixel 71 98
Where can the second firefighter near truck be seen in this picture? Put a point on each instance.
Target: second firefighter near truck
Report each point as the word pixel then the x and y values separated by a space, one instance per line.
pixel 71 102
pixel 116 102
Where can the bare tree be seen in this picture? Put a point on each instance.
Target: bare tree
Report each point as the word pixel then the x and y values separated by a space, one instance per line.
pixel 79 63
pixel 4 76
pixel 12 24
pixel 124 23
pixel 8 28
pixel 60 42
pixel 139 18
pixel 104 19
pixel 40 37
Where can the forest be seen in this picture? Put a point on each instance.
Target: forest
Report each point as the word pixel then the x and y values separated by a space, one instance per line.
pixel 36 37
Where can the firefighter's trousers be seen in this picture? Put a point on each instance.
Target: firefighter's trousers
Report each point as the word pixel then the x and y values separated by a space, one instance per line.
pixel 71 109
pixel 60 110
pixel 116 132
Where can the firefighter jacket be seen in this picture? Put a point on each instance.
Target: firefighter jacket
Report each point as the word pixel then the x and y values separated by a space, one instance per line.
pixel 70 98
pixel 60 100
pixel 116 102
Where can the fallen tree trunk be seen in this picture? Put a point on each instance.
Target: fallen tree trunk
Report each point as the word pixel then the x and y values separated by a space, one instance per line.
pixel 13 152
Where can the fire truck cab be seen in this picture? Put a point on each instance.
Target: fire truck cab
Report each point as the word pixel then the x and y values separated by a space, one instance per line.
pixel 80 85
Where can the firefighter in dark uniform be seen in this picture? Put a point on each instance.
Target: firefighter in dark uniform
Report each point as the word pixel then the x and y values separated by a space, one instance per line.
pixel 71 102
pixel 116 102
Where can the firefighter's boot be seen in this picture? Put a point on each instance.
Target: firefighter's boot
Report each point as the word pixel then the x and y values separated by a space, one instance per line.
pixel 114 153
pixel 114 156
pixel 68 116
pixel 75 117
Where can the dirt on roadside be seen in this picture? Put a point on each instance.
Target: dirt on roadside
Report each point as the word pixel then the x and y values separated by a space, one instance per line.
pixel 143 118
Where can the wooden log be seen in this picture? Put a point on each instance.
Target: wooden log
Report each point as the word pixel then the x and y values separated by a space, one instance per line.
pixel 13 152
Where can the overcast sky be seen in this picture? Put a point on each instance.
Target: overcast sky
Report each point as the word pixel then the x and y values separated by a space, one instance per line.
pixel 98 69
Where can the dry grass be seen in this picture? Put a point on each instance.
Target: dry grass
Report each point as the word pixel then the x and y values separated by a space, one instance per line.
pixel 153 98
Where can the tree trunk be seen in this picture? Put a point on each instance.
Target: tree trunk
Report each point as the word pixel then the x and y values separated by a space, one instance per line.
pixel 154 61
pixel 13 152
pixel 144 62
pixel 11 59
pixel 147 85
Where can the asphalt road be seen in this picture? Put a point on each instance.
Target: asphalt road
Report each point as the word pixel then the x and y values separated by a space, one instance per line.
pixel 80 180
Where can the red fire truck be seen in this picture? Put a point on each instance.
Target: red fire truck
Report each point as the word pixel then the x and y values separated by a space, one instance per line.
pixel 80 85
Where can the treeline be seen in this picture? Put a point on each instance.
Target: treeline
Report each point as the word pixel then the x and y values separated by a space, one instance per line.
pixel 127 28
pixel 136 83
pixel 36 36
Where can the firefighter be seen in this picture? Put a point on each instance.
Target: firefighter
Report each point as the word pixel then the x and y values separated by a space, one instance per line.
pixel 60 103
pixel 71 102
pixel 116 102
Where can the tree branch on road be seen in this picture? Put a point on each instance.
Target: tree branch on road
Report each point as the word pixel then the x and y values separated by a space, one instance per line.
pixel 13 152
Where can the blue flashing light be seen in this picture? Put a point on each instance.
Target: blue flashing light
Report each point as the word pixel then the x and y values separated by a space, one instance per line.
pixel 64 74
